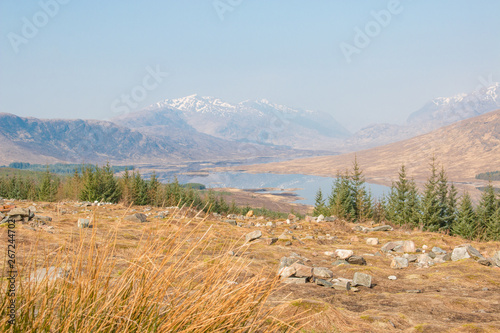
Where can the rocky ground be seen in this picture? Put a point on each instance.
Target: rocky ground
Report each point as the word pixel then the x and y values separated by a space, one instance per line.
pixel 336 276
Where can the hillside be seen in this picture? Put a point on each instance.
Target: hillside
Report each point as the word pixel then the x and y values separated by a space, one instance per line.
pixel 465 149
pixel 178 267
pixel 93 141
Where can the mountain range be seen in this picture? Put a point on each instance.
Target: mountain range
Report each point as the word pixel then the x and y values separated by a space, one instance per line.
pixel 195 128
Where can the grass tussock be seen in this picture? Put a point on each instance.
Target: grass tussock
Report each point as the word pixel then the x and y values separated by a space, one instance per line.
pixel 164 284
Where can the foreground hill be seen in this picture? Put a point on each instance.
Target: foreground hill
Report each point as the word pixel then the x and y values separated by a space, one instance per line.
pixel 178 269
pixel 465 149
pixel 93 141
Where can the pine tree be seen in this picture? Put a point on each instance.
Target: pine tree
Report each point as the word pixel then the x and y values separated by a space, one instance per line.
pixel 486 210
pixel 48 188
pixel 431 210
pixel 140 189
pixel 445 214
pixel 403 204
pixel 362 201
pixel 153 190
pixel 493 231
pixel 466 222
pixel 108 185
pixel 319 204
pixel 452 206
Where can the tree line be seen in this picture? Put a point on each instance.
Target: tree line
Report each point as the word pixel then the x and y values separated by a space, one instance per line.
pixel 437 208
pixel 99 183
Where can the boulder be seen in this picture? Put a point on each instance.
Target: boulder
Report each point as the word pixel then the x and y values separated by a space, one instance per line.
pixel 356 260
pixel 295 280
pixel 330 219
pixel 465 251
pixel 343 254
pixel 271 241
pixel 340 262
pixel 302 270
pixel 324 283
pixel 43 218
pixel 232 222
pixel 253 235
pixel 286 272
pixel 322 273
pixel 83 223
pixel 288 261
pixel 399 263
pixel 341 285
pixel 496 259
pixel 390 246
pixel 249 213
pixel 409 246
pixel 362 279
pixel 137 217
pixel 320 218
pixel 22 212
pixel 372 241
pixel 381 228
pixel 438 250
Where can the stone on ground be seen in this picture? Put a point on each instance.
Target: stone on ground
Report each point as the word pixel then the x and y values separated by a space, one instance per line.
pixel 137 217
pixel 322 273
pixel 362 279
pixel 253 235
pixel 83 223
pixel 356 260
pixel 343 254
pixel 399 263
pixel 372 241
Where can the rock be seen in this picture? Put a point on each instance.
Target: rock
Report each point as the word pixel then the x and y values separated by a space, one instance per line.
pixel 322 273
pixel 22 212
pixel 438 250
pixel 310 218
pixel 320 218
pixel 464 252
pixel 341 285
pixel 381 228
pixel 253 235
pixel 295 280
pixel 284 236
pixel 447 257
pixel 48 274
pixel 413 291
pixel 496 259
pixel 330 219
pixel 232 216
pixel 360 228
pixel 287 261
pixel 271 225
pixel 424 259
pixel 372 241
pixel 302 270
pixel 249 213
pixel 484 262
pixel 232 222
pixel 288 243
pixel 356 260
pixel 424 247
pixel 409 246
pixel 410 257
pixel 343 254
pixel 137 217
pixel 324 283
pixel 362 279
pixel 392 277
pixel 399 263
pixel 286 272
pixel 271 241
pixel 43 218
pixel 83 223
pixel 340 262
pixel 389 246
pixel 292 217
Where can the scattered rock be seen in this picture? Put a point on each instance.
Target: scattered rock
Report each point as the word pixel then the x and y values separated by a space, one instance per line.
pixel 362 279
pixel 343 254
pixel 302 270
pixel 320 218
pixel 340 262
pixel 271 241
pixel 409 246
pixel 137 217
pixel 286 272
pixel 356 260
pixel 372 241
pixel 484 262
pixel 392 277
pixel 83 223
pixel 381 228
pixel 288 261
pixel 288 243
pixel 43 218
pixel 22 212
pixel 390 246
pixel 341 285
pixel 330 219
pixel 399 263
pixel 249 213
pixel 324 283
pixel 253 235
pixel 438 250
pixel 465 251
pixel 496 259
pixel 295 280
pixel 232 222
pixel 322 273
pixel 413 291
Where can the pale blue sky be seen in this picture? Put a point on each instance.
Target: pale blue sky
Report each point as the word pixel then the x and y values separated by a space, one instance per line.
pixel 89 53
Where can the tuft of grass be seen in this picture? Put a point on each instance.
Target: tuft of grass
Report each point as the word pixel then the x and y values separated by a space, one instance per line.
pixel 163 284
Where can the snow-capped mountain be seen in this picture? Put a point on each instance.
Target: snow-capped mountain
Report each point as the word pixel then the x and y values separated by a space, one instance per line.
pixel 437 113
pixel 259 122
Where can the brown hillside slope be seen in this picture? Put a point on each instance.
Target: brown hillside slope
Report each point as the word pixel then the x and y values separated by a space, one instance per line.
pixel 465 149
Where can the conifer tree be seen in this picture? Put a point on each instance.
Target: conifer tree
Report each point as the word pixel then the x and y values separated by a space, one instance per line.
pixel 319 204
pixel 486 210
pixel 493 230
pixel 466 222
pixel 48 187
pixel 109 189
pixel 431 210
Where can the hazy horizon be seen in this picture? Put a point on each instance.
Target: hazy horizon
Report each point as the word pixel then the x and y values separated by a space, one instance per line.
pixel 361 62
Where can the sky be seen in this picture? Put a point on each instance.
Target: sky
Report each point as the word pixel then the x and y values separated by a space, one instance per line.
pixel 363 62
